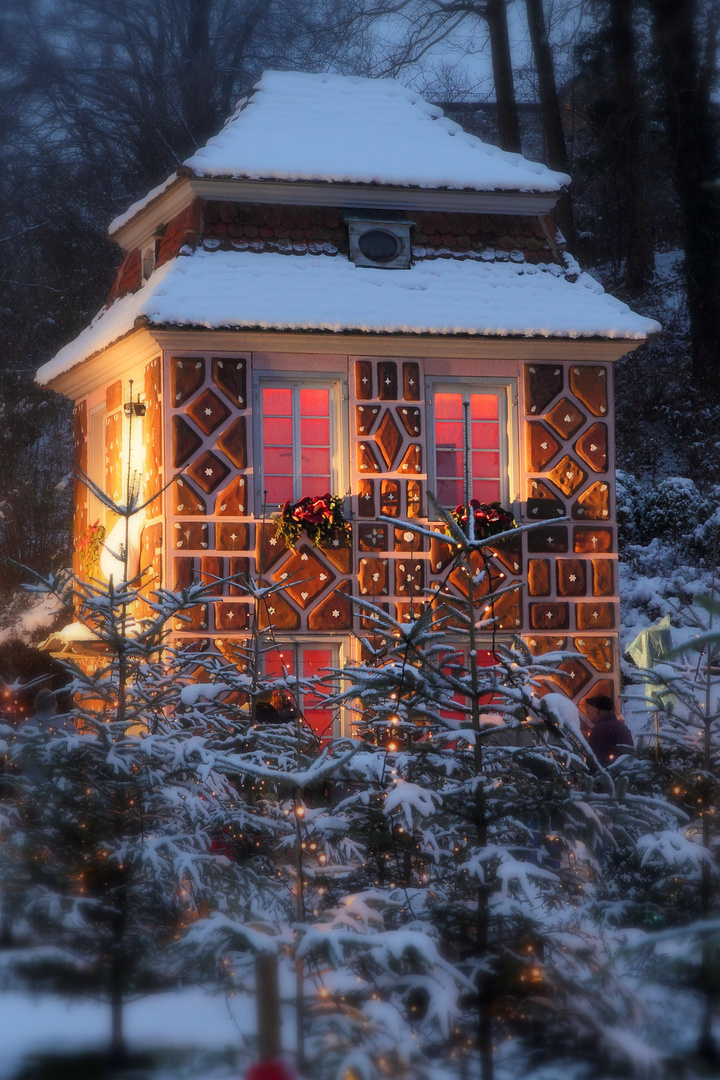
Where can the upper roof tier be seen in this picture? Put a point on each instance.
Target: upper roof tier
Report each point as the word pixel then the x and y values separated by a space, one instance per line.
pixel 339 129
pixel 344 129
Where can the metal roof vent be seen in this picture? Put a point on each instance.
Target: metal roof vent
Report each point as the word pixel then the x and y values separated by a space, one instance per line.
pixel 379 239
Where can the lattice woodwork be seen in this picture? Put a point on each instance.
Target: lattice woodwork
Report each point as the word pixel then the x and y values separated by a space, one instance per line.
pixel 80 491
pixel 593 447
pixel 568 463
pixel 595 616
pixel 589 385
pixel 567 475
pixel 571 577
pixel 566 459
pixel 211 440
pixel 543 383
pixel 113 455
pixel 541 446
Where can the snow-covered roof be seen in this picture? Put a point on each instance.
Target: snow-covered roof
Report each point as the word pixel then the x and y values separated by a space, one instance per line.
pixel 239 289
pixel 346 129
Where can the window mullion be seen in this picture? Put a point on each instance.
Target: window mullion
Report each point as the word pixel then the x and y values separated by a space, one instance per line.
pixel 467 447
pixel 296 448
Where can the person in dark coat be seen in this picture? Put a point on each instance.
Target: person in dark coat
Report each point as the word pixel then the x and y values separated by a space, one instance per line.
pixel 608 732
pixel 45 715
pixel 275 707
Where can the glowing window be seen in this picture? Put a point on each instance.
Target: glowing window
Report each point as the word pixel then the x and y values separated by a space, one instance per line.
pixel 309 660
pixel 470 454
pixel 299 434
pixel 457 664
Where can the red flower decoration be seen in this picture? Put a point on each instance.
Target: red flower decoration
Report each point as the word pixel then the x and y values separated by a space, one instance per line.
pixel 489 518
pixel 320 516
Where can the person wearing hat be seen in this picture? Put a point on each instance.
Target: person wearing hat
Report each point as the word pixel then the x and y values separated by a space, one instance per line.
pixel 608 732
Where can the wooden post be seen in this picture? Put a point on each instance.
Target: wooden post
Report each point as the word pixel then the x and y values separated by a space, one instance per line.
pixel 267 996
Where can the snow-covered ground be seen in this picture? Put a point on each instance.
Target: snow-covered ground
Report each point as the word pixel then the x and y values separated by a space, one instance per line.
pixel 203 1034
pixel 191 1023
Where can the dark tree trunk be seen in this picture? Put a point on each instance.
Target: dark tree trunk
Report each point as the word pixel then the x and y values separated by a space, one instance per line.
pixel 200 78
pixel 627 141
pixel 556 146
pixel 695 162
pixel 508 126
pixel 707 1047
pixel 6 931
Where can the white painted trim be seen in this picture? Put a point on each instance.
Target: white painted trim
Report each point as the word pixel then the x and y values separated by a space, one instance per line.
pixel 162 209
pixel 316 193
pixel 408 346
pixel 143 344
pixel 374 196
pixel 116 362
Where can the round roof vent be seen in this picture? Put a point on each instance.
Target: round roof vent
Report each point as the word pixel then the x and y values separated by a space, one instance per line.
pixel 378 245
pixel 378 241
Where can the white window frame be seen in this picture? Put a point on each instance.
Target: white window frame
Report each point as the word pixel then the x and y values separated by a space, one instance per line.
pixel 506 391
pixel 337 385
pixel 340 658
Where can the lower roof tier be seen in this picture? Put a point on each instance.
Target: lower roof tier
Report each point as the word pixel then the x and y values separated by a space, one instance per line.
pixel 246 290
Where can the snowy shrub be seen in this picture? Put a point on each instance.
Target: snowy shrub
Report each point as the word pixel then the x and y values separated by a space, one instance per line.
pixel 671 508
pixel 629 507
pixel 664 526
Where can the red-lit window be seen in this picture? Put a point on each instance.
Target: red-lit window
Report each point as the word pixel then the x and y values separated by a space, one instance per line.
pixel 470 444
pixel 458 664
pixel 298 436
pixel 308 661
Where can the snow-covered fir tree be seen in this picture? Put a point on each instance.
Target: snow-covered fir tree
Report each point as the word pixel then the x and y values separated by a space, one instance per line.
pixel 681 863
pixel 484 835
pixel 284 821
pixel 118 822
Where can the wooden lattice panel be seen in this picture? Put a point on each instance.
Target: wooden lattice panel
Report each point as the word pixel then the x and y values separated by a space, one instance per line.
pixel 80 492
pixel 152 434
pixel 114 441
pixel 396 566
pixel 212 531
pixel 210 535
pixel 566 571
pixel 151 561
pixel 572 576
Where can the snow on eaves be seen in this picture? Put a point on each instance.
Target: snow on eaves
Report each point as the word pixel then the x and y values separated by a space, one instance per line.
pixel 347 129
pixel 238 289
pixel 136 207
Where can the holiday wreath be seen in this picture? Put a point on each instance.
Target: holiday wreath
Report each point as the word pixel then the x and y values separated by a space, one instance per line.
pixel 88 547
pixel 321 517
pixel 490 518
